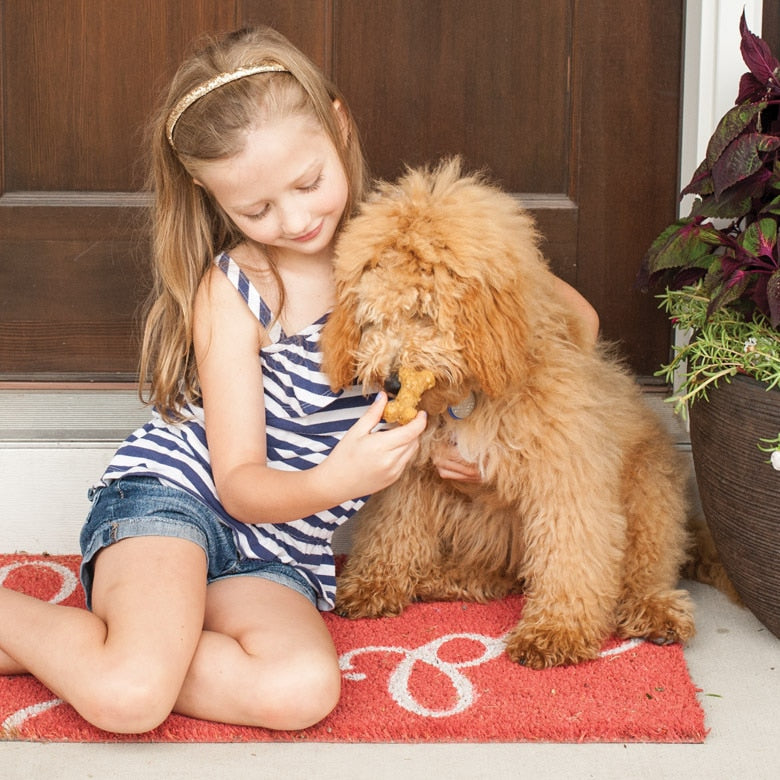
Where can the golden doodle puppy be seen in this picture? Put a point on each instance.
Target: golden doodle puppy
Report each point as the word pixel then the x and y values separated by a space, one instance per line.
pixel 581 505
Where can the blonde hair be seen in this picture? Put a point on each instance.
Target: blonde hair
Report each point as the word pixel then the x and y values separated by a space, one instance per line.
pixel 188 227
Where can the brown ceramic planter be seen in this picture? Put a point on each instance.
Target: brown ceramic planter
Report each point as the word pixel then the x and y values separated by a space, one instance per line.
pixel 740 491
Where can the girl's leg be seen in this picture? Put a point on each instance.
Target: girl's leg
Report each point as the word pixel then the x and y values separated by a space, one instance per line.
pixel 120 666
pixel 265 658
pixel 8 665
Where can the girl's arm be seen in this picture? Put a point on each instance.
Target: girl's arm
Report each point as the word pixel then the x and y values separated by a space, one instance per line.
pixel 227 340
pixel 584 317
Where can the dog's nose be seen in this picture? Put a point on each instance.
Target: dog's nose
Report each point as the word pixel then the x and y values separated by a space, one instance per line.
pixel 392 384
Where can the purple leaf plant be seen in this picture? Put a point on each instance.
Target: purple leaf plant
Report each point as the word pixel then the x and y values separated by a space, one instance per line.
pixel 729 241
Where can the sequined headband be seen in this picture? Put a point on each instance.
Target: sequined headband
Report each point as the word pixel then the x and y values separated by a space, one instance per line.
pixel 209 86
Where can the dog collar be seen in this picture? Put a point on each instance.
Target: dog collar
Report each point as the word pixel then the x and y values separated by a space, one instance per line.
pixel 463 408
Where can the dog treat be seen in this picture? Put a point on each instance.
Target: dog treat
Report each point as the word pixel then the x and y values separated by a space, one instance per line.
pixel 413 384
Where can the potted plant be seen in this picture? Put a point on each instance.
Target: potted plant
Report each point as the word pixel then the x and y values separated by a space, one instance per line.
pixel 719 268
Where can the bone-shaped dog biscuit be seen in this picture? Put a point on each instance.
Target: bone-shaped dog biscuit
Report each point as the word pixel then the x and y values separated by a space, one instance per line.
pixel 413 384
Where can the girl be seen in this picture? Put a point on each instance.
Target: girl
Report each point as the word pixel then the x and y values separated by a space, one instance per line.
pixel 206 554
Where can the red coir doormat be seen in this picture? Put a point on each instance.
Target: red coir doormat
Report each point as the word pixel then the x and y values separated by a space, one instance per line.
pixel 437 673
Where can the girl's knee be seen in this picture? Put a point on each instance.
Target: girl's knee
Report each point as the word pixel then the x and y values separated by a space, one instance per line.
pixel 301 695
pixel 319 693
pixel 130 700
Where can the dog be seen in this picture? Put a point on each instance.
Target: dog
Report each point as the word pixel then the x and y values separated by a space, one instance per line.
pixel 582 504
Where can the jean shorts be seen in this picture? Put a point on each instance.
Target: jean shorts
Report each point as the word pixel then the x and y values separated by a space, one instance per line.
pixel 143 506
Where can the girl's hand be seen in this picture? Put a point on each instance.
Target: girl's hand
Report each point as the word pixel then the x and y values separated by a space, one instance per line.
pixel 367 460
pixel 450 465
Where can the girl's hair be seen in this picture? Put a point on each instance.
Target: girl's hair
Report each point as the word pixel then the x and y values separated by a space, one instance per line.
pixel 188 227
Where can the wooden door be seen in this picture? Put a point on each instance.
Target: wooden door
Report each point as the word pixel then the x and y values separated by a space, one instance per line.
pixel 571 104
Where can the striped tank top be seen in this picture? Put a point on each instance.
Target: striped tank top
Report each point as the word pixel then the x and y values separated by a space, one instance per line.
pixel 304 421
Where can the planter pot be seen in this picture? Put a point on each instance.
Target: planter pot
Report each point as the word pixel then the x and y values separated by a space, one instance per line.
pixel 739 490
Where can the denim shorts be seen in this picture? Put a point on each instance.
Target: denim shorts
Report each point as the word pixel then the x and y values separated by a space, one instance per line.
pixel 143 506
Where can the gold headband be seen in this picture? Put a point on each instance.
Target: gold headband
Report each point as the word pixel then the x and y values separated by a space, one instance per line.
pixel 208 86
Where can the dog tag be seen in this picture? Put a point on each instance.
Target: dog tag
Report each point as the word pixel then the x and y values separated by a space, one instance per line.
pixel 463 408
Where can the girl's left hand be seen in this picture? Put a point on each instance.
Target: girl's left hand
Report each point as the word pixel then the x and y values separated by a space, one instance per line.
pixel 450 465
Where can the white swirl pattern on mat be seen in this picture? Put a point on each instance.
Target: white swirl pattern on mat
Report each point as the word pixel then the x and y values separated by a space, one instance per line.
pixel 398 683
pixel 69 582
pixel 17 719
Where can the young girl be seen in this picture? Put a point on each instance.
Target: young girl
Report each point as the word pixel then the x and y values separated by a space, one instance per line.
pixel 207 555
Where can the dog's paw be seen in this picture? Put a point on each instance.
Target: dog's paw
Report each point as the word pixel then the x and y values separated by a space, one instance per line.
pixel 366 608
pixel 664 618
pixel 541 647
pixel 366 599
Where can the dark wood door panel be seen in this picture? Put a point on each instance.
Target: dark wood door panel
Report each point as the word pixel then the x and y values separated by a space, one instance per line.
pixel 563 102
pixel 557 220
pixel 488 81
pixel 86 295
pixel 52 216
pixel 72 275
pixel 80 77
pixel 628 64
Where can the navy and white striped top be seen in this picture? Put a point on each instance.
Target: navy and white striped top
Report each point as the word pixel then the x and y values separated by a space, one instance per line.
pixel 304 421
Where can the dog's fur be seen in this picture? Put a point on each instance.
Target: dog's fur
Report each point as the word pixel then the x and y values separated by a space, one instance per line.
pixel 582 501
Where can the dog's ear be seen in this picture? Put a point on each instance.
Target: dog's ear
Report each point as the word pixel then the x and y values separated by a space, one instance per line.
pixel 493 329
pixel 339 342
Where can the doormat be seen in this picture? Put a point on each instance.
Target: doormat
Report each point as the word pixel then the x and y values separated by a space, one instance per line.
pixel 437 673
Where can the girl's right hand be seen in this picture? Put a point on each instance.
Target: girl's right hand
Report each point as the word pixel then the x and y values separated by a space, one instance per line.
pixel 368 460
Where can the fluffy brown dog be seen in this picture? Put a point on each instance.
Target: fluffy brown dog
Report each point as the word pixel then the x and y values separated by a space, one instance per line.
pixel 582 501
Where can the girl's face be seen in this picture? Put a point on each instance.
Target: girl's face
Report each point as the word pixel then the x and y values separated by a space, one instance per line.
pixel 286 189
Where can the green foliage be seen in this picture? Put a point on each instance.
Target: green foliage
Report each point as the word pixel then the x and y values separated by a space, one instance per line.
pixel 720 265
pixel 722 344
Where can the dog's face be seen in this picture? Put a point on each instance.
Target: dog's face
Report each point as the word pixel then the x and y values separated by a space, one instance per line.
pixel 407 310
pixel 429 276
